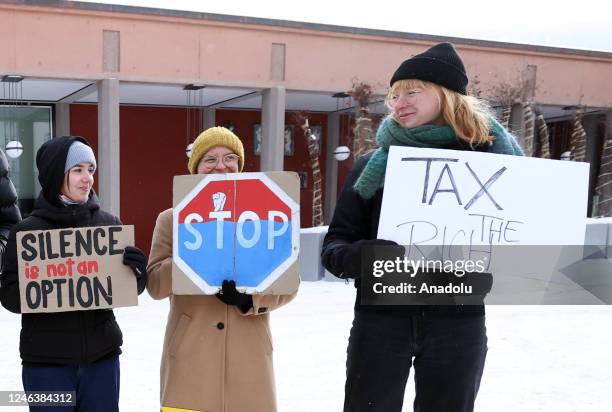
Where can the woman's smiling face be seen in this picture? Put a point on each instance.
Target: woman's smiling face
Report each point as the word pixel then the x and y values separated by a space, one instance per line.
pixel 78 182
pixel 416 106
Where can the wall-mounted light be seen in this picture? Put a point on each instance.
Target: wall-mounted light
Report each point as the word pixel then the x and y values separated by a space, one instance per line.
pixel 342 153
pixel 14 149
pixel 566 155
pixel 195 121
pixel 194 86
pixel 338 96
pixel 12 78
pixel 14 87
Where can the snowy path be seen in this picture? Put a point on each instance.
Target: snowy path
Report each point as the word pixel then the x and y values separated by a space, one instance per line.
pixel 552 359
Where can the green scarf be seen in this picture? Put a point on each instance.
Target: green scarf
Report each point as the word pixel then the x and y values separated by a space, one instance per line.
pixel 390 133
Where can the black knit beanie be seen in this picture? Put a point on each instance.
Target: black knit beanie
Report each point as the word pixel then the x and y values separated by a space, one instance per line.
pixel 440 65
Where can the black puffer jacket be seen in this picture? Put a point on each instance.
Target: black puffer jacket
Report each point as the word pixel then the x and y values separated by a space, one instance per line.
pixel 9 212
pixel 63 338
pixel 356 218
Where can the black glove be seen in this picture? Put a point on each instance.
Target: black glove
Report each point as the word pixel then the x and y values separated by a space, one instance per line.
pixel 137 261
pixel 366 251
pixel 230 296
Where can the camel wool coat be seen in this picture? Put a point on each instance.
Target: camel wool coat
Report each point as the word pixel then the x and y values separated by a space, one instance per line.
pixel 215 358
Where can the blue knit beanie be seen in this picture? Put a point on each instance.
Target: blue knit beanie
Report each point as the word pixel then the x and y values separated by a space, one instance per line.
pixel 79 153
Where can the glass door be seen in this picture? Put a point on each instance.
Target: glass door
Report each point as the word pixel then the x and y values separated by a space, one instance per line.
pixel 24 129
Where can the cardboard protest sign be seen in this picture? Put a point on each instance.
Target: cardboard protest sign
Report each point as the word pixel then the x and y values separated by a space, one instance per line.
pixel 75 269
pixel 446 196
pixel 522 219
pixel 242 226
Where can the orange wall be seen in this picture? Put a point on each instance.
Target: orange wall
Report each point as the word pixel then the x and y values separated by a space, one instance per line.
pixel 153 141
pixel 65 42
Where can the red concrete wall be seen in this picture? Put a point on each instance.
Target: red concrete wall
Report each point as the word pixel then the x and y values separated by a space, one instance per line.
pixel 153 141
pixel 84 122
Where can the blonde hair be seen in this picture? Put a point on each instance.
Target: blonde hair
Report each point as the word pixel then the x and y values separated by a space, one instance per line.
pixel 466 115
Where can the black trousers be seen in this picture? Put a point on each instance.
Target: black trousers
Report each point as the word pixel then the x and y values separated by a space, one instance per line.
pixel 448 354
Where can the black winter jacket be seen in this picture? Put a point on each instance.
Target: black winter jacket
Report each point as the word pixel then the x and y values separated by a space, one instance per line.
pixel 9 212
pixel 63 338
pixel 356 218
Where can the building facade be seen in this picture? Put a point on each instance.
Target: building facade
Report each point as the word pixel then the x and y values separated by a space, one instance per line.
pixel 141 83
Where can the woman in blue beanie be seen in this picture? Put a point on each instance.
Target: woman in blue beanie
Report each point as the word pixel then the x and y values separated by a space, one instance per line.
pixel 429 108
pixel 74 351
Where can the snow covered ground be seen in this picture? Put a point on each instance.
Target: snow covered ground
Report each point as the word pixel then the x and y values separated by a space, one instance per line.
pixel 553 359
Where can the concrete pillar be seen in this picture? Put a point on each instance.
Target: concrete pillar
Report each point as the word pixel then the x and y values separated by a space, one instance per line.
pixel 62 119
pixel 277 63
pixel 331 166
pixel 209 119
pixel 108 146
pixel 111 51
pixel 272 129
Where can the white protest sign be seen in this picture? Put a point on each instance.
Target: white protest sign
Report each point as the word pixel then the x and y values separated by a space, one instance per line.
pixel 514 217
pixel 442 197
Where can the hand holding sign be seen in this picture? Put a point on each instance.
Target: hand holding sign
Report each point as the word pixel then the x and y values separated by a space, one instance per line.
pixel 362 252
pixel 137 261
pixel 231 297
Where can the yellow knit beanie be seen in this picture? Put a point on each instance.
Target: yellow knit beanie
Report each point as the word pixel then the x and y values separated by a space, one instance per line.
pixel 213 137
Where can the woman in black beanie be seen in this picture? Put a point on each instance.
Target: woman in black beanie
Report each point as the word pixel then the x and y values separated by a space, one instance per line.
pixel 429 107
pixel 68 351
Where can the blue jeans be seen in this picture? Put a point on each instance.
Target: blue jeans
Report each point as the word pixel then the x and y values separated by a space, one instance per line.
pixel 448 354
pixel 96 385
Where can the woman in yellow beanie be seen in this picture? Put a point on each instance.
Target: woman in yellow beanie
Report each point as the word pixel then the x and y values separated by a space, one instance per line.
pixel 217 353
pixel 220 140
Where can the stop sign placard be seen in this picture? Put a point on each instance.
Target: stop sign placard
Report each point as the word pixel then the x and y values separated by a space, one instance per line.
pixel 240 226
